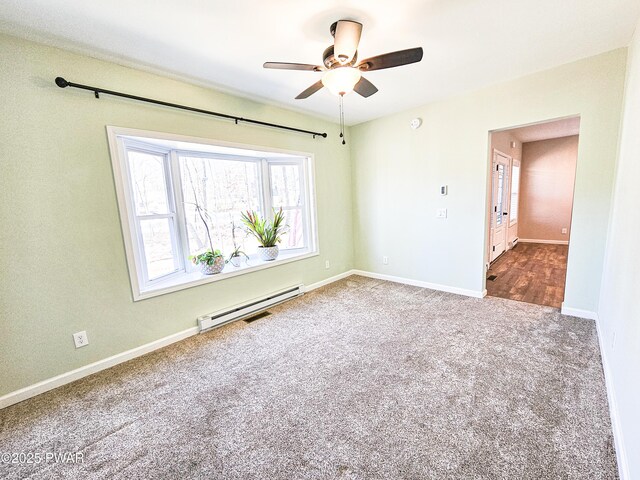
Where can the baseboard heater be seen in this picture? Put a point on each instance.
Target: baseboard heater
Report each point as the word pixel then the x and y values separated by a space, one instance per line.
pixel 253 307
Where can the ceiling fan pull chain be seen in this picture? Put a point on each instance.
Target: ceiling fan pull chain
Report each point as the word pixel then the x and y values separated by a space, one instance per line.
pixel 342 118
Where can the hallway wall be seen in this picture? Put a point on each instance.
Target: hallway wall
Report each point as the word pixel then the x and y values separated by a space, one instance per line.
pixel 546 189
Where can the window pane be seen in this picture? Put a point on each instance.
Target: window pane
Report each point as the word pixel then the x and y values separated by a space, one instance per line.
pixel 285 185
pixel 158 249
pixel 513 213
pixel 515 179
pixel 294 238
pixel 500 194
pixel 223 189
pixel 148 182
pixel 515 190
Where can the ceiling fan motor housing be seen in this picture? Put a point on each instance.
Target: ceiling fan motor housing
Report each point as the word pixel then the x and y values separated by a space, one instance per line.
pixel 330 61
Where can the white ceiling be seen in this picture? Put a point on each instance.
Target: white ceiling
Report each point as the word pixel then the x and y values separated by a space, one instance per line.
pixel 563 127
pixel 468 44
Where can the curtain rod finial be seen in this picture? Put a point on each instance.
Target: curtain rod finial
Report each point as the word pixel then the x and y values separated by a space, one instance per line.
pixel 61 82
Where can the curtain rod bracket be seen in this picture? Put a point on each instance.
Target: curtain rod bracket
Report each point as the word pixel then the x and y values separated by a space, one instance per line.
pixel 62 83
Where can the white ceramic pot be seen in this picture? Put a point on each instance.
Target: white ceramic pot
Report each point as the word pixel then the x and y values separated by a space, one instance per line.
pixel 268 254
pixel 235 261
pixel 217 267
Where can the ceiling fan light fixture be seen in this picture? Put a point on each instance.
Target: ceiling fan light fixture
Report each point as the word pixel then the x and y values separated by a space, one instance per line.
pixel 341 80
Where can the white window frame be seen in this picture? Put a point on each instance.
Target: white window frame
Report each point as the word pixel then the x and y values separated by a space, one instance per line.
pixel 172 214
pixel 304 188
pixel 187 275
pixel 513 220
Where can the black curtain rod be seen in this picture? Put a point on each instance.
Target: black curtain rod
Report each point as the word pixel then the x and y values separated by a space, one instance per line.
pixel 62 83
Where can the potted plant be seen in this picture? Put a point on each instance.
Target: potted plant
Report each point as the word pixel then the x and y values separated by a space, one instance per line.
pixel 235 257
pixel 267 233
pixel 211 261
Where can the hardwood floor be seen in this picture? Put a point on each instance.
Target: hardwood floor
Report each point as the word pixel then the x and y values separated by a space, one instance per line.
pixel 530 272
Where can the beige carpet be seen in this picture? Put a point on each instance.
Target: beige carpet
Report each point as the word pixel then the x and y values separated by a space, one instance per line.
pixel 361 379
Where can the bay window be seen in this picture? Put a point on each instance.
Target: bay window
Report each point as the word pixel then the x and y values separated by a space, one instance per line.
pixel 175 193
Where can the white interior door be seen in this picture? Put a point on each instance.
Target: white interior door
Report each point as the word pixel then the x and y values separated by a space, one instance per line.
pixel 499 213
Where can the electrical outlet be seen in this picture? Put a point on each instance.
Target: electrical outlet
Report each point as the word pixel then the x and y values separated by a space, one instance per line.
pixel 441 213
pixel 327 265
pixel 80 339
pixel 564 231
pixel 385 260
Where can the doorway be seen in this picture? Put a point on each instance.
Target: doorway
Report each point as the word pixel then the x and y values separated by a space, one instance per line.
pixel 530 198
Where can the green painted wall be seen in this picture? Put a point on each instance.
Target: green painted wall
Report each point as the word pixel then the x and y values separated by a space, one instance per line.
pixel 63 262
pixel 619 312
pixel 397 172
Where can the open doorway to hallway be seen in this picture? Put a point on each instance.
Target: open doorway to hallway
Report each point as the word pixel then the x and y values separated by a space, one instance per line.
pixel 531 200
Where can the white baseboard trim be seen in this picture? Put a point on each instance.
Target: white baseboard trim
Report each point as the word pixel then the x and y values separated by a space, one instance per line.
pixel 420 283
pixel 621 454
pixel 327 281
pixel 551 242
pixel 78 373
pixel 577 312
pixel 68 377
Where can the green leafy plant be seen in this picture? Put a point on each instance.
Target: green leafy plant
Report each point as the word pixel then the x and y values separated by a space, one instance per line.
pixel 267 233
pixel 209 257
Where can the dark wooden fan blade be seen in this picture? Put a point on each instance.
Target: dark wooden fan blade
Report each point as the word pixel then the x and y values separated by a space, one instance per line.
pixel 311 90
pixel 365 88
pixel 292 66
pixel 393 59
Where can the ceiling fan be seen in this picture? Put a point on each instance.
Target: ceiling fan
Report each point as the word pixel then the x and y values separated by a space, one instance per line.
pixel 342 70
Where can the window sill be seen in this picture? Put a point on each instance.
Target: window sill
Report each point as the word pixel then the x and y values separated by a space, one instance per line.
pixel 193 279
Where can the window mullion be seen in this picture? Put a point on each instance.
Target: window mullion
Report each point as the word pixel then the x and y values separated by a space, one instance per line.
pixel 171 200
pixel 310 225
pixel 303 203
pixel 266 189
pixel 181 220
pixel 156 216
